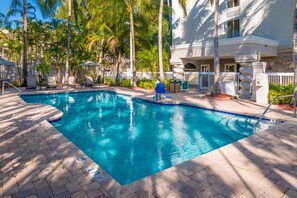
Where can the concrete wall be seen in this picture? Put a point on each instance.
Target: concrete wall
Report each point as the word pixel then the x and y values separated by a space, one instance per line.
pixel 270 19
pixel 282 63
pixel 209 62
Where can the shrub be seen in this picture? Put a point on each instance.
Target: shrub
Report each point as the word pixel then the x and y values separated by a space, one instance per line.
pixel 146 84
pixel 167 83
pixel 16 83
pixel 125 82
pixel 280 90
pixel 108 80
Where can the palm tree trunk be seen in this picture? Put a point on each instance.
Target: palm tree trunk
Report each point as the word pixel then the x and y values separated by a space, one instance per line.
pixel 133 44
pixel 101 51
pixel 66 74
pixel 217 85
pixel 295 50
pixel 160 47
pixel 25 35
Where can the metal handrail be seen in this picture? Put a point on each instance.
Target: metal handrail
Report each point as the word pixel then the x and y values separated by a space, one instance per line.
pixel 3 87
pixel 267 108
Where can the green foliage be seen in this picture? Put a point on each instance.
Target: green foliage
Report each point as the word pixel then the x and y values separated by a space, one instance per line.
pixel 125 82
pixel 44 69
pixel 167 83
pixel 100 30
pixel 93 74
pixel 16 83
pixel 108 80
pixel 280 90
pixel 146 83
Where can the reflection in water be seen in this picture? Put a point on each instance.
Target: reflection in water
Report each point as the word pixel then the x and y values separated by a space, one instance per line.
pixel 131 139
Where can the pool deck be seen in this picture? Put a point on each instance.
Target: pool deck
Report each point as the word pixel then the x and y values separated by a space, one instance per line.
pixel 36 160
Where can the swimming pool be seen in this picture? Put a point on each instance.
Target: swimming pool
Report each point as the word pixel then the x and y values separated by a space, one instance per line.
pixel 130 138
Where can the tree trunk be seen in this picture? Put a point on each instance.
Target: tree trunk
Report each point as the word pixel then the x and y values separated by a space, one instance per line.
pixel 25 35
pixel 295 50
pixel 118 65
pixel 217 86
pixel 66 74
pixel 99 67
pixel 101 51
pixel 160 47
pixel 133 43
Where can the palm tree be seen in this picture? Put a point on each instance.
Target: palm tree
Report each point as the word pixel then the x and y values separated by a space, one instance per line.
pixel 160 34
pixel 48 6
pixel 68 51
pixel 2 17
pixel 131 16
pixel 217 86
pixel 13 9
pixel 131 8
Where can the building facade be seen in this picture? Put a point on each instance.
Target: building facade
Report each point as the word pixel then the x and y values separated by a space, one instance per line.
pixel 249 31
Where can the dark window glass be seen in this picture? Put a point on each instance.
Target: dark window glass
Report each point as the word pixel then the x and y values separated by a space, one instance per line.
pixel 190 66
pixel 230 29
pixel 233 3
pixel 233 29
pixel 236 28
pixel 230 3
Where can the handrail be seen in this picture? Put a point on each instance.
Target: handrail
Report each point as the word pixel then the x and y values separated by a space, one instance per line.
pixel 3 87
pixel 267 108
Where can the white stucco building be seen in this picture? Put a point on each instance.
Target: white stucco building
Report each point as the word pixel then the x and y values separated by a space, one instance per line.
pixel 249 31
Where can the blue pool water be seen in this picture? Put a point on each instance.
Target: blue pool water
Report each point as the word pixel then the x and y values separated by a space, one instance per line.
pixel 131 139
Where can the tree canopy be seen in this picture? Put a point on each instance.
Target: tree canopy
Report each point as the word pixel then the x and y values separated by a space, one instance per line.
pixel 100 32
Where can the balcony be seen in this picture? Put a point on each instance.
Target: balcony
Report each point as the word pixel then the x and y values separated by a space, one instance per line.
pixel 228 48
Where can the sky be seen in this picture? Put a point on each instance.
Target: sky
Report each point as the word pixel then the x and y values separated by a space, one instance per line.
pixel 4 5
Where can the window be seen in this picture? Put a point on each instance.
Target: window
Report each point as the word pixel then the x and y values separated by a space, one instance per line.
pixel 233 29
pixel 190 66
pixel 204 68
pixel 230 67
pixel 233 3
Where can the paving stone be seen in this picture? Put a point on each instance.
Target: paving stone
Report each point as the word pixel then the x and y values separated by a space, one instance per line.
pixel 24 193
pixel 73 187
pixel 91 186
pixel 62 195
pixel 32 196
pixel 145 194
pixel 95 193
pixel 177 186
pixel 44 192
pixel 79 194
pixel 290 193
pixel 59 189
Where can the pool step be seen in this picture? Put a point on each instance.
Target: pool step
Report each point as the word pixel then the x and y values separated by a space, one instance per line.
pixel 238 128
pixel 246 123
pixel 224 127
pixel 238 125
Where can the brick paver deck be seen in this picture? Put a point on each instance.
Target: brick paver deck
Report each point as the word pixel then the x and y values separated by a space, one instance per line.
pixel 36 160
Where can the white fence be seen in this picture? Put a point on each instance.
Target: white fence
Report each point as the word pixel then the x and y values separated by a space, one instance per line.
pixel 229 82
pixel 203 81
pixel 200 81
pixel 281 78
pixel 146 75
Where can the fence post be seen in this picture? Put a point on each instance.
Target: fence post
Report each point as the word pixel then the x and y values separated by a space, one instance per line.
pixel 200 82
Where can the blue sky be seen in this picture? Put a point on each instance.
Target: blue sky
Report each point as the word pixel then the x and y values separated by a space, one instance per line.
pixel 4 5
